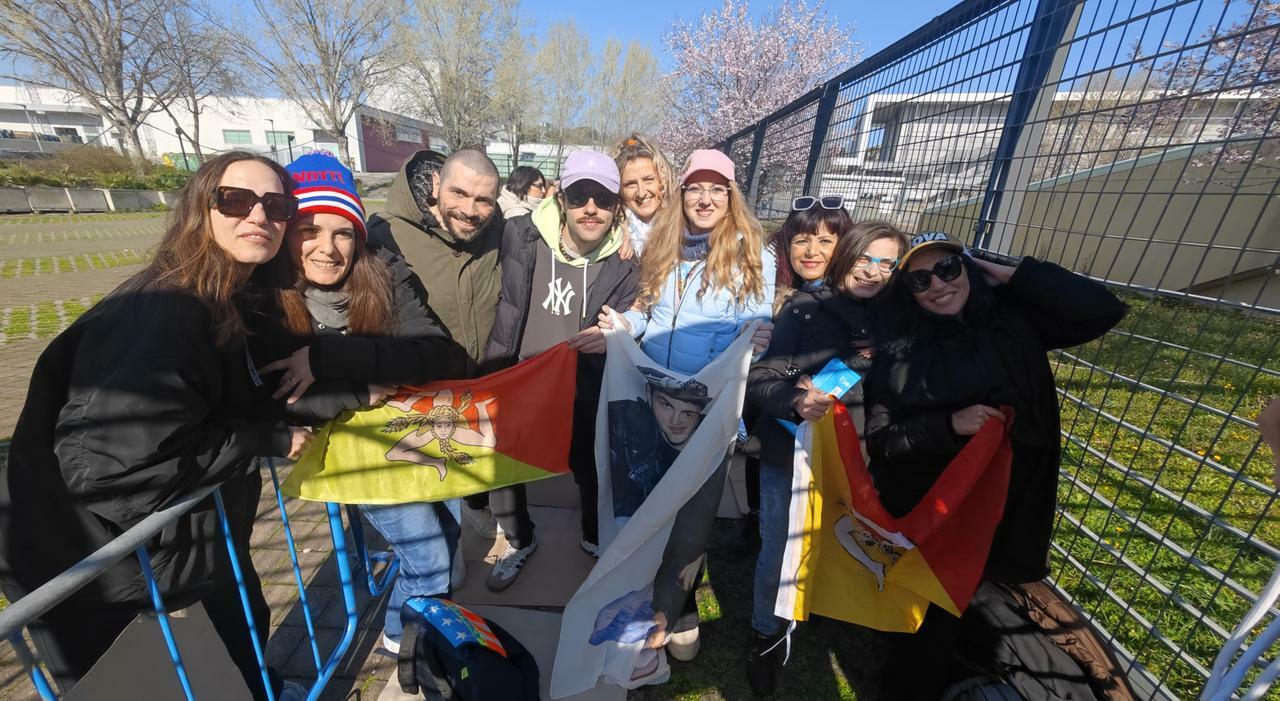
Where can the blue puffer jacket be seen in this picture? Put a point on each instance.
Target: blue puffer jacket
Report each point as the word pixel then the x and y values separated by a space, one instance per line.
pixel 687 333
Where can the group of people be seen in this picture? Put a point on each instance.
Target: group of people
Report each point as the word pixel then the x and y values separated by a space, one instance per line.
pixel 273 304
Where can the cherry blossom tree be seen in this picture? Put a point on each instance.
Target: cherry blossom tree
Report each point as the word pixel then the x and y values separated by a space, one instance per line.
pixel 731 70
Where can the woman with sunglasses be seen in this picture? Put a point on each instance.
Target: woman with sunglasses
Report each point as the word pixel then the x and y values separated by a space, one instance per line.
pixel 836 271
pixel 972 344
pixel 363 329
pixel 147 397
pixel 705 274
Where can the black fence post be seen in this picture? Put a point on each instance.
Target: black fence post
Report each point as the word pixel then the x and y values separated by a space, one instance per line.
pixel 757 145
pixel 821 123
pixel 1047 30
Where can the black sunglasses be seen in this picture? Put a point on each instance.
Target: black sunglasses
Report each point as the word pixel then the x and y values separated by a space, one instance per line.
pixel 947 269
pixel 239 201
pixel 577 197
pixel 804 202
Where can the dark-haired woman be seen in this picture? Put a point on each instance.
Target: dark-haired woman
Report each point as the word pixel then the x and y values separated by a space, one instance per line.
pixel 524 190
pixel 837 269
pixel 146 398
pixel 361 321
pixel 972 339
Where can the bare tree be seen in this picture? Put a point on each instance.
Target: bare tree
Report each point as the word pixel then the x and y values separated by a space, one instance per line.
pixel 328 57
pixel 565 62
pixel 630 97
pixel 200 65
pixel 517 91
pixel 454 48
pixel 106 52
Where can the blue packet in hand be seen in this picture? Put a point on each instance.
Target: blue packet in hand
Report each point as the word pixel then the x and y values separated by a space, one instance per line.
pixel 835 378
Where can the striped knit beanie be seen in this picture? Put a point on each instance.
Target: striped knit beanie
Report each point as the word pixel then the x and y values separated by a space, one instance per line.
pixel 323 184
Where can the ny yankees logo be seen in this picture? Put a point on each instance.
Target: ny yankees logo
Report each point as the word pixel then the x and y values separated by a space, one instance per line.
pixel 559 294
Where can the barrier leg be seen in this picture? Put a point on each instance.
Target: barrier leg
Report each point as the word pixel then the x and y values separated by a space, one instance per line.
pixel 162 617
pixel 297 570
pixel 376 586
pixel 348 599
pixel 32 667
pixel 244 595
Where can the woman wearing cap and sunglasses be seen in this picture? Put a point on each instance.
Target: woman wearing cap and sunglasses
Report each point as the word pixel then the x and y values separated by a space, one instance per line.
pixel 971 340
pixel 147 397
pixel 837 270
pixel 705 275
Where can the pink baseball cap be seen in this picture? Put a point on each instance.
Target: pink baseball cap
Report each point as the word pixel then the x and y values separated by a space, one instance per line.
pixel 708 159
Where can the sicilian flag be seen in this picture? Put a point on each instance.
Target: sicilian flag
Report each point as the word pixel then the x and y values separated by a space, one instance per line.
pixel 847 558
pixel 446 439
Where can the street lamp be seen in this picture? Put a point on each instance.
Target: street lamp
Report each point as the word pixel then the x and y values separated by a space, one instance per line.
pixel 183 148
pixel 290 138
pixel 270 136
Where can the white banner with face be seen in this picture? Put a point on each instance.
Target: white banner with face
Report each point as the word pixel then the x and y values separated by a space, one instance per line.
pixel 662 446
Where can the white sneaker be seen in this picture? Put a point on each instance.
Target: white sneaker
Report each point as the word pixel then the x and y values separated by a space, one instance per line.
pixel 508 565
pixel 482 521
pixel 458 574
pixel 389 645
pixel 684 645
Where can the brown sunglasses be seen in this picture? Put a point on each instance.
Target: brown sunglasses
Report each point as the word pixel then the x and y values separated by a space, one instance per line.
pixel 239 201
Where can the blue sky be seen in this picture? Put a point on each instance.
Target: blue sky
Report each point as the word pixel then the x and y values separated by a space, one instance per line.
pixel 876 23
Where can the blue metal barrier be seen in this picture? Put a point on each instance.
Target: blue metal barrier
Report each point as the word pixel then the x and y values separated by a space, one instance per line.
pixel 18 615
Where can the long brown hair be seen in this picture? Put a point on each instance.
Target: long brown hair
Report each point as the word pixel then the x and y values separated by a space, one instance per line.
pixel 733 263
pixel 369 283
pixel 189 259
pixel 853 244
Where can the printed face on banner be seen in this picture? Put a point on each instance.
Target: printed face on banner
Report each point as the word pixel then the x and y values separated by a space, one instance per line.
pixel 647 433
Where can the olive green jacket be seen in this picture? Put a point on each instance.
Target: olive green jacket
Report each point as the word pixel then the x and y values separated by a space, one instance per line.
pixel 461 280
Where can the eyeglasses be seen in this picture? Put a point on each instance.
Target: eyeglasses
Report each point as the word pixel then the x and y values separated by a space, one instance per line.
pixel 947 269
pixel 886 265
pixel 239 201
pixel 577 197
pixel 693 193
pixel 804 202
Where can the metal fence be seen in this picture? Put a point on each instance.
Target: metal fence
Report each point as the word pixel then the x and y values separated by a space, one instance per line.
pixel 1132 142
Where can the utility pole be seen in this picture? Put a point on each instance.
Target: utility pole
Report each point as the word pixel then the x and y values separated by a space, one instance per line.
pixel 183 148
pixel 271 137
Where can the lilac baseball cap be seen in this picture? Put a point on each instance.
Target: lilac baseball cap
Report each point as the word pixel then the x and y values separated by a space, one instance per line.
pixel 707 159
pixel 590 165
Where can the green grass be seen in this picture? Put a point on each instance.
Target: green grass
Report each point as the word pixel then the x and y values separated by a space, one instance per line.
pixel 1176 530
pixel 17 219
pixel 46 320
pixel 23 267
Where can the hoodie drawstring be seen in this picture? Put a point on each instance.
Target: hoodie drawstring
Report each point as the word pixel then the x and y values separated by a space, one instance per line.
pixel 791 626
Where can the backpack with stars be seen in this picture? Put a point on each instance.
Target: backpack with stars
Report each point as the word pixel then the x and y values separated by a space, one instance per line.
pixel 452 654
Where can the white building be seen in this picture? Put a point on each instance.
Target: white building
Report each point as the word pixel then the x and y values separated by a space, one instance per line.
pixel 36 119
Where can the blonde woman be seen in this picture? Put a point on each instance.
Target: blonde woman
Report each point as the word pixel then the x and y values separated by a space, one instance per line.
pixel 648 181
pixel 704 275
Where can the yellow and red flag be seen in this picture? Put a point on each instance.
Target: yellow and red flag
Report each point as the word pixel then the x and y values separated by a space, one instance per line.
pixel 447 439
pixel 847 558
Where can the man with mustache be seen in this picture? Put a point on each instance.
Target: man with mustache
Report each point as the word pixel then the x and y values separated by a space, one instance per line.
pixel 560 270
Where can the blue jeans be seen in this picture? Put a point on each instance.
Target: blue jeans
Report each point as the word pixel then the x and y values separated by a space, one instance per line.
pixel 425 537
pixel 775 501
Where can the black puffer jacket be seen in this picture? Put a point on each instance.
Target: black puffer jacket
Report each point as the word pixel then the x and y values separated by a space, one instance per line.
pixel 995 355
pixel 615 286
pixel 129 409
pixel 811 328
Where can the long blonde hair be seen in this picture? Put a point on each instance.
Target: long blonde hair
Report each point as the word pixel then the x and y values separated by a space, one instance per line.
pixel 637 146
pixel 733 259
